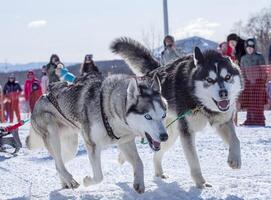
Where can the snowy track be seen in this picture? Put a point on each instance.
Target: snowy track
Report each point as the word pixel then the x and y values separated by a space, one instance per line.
pixel 32 175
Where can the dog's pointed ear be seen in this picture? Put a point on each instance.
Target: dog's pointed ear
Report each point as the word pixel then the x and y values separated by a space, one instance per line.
pixel 198 56
pixel 132 92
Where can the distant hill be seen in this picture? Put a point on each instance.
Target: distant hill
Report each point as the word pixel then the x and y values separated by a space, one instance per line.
pixel 110 66
pixel 8 67
pixel 187 45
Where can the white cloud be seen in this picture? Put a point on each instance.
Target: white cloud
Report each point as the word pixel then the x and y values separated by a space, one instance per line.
pixel 37 24
pixel 198 27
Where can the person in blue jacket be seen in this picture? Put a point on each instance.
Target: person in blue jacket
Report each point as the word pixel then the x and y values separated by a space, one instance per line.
pixel 64 73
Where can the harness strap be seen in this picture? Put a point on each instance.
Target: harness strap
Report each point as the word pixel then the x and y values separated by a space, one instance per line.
pixel 183 114
pixel 54 102
pixel 107 126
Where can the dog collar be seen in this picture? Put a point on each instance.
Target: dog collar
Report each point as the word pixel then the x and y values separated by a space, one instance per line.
pixel 107 126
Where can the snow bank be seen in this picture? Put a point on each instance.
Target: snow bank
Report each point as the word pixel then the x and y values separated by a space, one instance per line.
pixel 32 175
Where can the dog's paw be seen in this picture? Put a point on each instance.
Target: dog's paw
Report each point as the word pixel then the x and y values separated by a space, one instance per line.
pixel 162 176
pixel 203 185
pixel 139 187
pixel 234 161
pixel 72 184
pixel 91 181
pixel 87 181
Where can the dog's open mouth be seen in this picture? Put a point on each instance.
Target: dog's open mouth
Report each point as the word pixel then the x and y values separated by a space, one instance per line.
pixel 222 105
pixel 153 144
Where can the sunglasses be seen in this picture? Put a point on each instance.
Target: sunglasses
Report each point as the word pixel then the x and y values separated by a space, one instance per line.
pixel 88 57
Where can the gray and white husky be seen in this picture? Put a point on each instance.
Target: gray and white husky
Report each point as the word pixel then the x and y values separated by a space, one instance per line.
pixel 110 111
pixel 207 82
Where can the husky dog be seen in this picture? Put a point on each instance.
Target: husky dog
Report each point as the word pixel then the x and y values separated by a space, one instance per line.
pixel 207 82
pixel 114 110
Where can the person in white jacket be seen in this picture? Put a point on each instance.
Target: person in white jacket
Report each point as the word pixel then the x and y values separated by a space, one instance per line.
pixel 44 80
pixel 170 53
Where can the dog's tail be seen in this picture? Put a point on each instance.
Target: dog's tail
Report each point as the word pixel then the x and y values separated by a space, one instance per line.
pixel 33 140
pixel 137 56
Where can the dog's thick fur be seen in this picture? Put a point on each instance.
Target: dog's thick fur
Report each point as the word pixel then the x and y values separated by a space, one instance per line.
pixel 207 81
pixel 126 102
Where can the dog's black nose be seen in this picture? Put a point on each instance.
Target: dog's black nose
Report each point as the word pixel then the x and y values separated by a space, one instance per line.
pixel 163 137
pixel 223 93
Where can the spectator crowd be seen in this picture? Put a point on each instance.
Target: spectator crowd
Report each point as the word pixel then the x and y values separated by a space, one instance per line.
pixel 34 87
pixel 242 52
pixel 254 69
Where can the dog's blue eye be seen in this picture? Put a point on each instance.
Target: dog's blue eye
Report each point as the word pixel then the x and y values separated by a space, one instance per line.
pixel 210 80
pixel 148 117
pixel 164 115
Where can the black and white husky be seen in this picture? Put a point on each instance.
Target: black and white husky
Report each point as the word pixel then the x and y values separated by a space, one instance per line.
pixel 205 81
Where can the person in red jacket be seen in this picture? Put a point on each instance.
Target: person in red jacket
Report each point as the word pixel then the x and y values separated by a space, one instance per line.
pixel 32 90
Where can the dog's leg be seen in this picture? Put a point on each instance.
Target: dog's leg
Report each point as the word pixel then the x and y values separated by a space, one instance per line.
pixel 228 134
pixel 130 153
pixel 53 144
pixel 165 146
pixel 69 144
pixel 94 155
pixel 189 147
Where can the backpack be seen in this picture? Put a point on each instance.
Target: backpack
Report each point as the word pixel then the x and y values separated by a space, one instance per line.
pixel 35 87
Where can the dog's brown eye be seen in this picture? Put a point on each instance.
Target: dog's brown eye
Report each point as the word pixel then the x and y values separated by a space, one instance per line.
pixel 210 80
pixel 227 77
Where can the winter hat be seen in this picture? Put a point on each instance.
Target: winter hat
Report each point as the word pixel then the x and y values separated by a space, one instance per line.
pixel 30 73
pixel 250 43
pixel 88 57
pixel 168 37
pixel 233 36
pixel 221 44
pixel 11 76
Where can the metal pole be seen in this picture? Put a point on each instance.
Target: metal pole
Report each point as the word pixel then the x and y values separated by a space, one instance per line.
pixel 165 17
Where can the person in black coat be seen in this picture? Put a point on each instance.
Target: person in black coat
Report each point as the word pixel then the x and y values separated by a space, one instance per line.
pixel 88 66
pixel 239 46
pixel 51 67
pixel 12 91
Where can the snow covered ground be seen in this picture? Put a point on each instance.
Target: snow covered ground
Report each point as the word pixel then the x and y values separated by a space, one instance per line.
pixel 32 175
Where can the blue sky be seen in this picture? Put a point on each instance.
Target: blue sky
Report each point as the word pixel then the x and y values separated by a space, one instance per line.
pixel 33 29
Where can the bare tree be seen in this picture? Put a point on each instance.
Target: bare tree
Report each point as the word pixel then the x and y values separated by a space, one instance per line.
pixel 238 28
pixel 152 39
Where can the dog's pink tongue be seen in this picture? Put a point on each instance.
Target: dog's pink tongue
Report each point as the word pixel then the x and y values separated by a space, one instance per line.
pixel 156 144
pixel 223 104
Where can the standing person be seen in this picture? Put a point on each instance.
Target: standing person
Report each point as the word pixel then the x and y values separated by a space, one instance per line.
pixel 88 65
pixel 32 90
pixel 269 55
pixel 236 47
pixel 44 80
pixel 223 48
pixel 50 68
pixel 12 91
pixel 2 108
pixel 170 52
pixel 255 90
